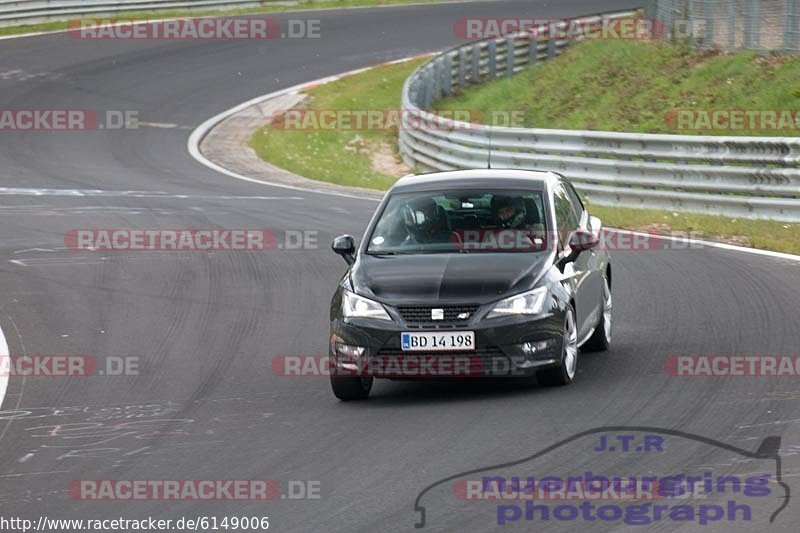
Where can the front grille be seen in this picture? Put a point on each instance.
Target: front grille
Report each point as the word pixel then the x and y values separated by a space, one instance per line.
pixel 422 314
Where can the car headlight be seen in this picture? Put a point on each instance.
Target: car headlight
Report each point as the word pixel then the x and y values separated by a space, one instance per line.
pixel 527 303
pixel 355 306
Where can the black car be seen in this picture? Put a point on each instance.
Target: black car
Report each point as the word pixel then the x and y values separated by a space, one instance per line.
pixel 500 268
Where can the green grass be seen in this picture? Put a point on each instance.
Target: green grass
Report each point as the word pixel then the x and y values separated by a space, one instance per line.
pixel 630 86
pixel 764 234
pixel 341 156
pixel 266 8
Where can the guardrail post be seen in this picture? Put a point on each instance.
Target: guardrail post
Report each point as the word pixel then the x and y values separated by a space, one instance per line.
pixel 476 63
pixel 533 52
pixel 757 23
pixel 447 78
pixel 462 68
pixel 667 20
pixel 756 7
pixel 708 38
pixel 746 25
pixel 413 90
pixel 691 15
pixel 568 33
pixel 752 22
pixel 551 42
pixel 510 44
pixel 792 27
pixel 650 9
pixel 492 59
pixel 427 90
pixel 437 80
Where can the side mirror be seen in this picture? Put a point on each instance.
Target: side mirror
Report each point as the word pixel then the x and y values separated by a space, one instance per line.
pixel 345 246
pixel 596 224
pixel 583 240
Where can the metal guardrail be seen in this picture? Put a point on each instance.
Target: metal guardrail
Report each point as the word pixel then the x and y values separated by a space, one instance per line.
pixel 753 177
pixel 35 11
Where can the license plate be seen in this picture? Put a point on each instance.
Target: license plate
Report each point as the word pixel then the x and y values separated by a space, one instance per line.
pixel 445 342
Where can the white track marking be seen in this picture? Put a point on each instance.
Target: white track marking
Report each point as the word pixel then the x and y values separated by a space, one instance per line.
pixel 712 244
pixel 36 250
pixel 36 473
pixel 3 375
pixel 162 125
pixel 202 130
pixel 95 193
pixel 54 32
pixel 82 260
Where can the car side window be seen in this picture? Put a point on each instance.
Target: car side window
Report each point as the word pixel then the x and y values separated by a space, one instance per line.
pixel 566 218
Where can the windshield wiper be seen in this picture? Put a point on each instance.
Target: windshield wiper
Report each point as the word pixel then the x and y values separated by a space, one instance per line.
pixel 391 252
pixel 412 252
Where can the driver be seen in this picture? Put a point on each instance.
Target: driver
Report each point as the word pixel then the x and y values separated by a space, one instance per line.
pixel 506 213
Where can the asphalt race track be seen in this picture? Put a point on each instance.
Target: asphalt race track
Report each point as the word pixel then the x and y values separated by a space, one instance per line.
pixel 205 326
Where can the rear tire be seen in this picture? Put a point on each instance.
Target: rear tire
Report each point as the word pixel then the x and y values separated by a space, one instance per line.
pixel 564 373
pixel 600 341
pixel 350 389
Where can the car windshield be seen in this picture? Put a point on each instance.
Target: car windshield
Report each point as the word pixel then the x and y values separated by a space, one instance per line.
pixel 467 221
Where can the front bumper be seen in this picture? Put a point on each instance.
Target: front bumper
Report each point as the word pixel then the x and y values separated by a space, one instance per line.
pixel 509 346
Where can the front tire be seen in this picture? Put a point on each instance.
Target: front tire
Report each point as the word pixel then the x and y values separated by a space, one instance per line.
pixel 565 372
pixel 600 341
pixel 350 389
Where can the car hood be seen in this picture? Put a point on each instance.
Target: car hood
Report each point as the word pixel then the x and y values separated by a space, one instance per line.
pixel 476 278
